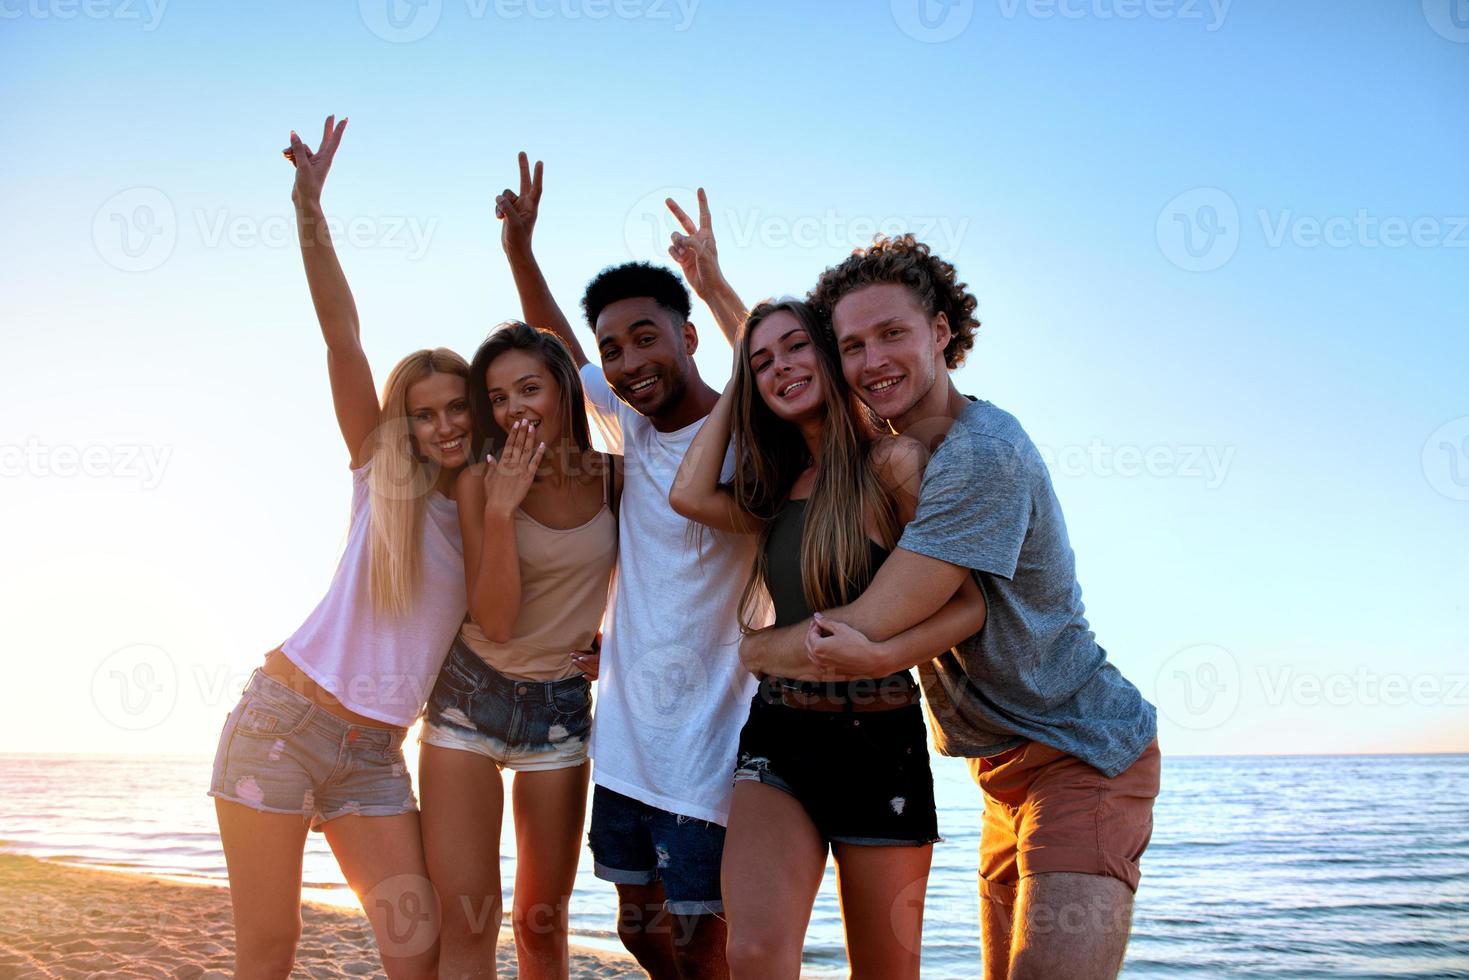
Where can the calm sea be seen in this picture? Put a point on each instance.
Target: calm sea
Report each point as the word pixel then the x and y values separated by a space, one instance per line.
pixel 1346 866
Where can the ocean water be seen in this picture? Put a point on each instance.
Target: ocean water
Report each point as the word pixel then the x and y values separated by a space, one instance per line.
pixel 1289 866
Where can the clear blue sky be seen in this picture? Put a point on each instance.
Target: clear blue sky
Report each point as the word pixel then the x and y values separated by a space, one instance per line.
pixel 1220 253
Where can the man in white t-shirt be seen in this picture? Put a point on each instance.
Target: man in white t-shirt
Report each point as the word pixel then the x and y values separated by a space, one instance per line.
pixel 672 694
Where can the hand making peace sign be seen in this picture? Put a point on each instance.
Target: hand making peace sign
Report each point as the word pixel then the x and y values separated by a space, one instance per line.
pixel 517 212
pixel 311 168
pixel 695 252
pixel 508 480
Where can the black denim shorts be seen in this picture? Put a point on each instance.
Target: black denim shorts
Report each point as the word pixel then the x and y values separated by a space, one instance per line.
pixel 863 777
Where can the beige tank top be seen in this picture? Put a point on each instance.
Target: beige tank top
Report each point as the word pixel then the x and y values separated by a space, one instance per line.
pixel 564 576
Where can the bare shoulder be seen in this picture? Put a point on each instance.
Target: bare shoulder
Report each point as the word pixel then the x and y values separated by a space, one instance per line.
pixel 470 483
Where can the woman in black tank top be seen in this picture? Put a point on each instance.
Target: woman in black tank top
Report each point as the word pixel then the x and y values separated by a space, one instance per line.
pixel 822 763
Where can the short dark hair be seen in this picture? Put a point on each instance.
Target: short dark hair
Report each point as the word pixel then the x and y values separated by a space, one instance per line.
pixel 635 280
pixel 906 261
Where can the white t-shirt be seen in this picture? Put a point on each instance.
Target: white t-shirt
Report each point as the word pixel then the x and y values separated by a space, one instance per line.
pixel 378 665
pixel 672 695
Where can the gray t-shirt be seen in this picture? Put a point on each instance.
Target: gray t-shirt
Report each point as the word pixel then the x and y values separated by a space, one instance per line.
pixel 1035 671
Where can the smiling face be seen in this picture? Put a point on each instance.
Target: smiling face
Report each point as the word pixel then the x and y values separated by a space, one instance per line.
pixel 646 354
pixel 438 419
pixel 892 350
pixel 520 386
pixel 785 364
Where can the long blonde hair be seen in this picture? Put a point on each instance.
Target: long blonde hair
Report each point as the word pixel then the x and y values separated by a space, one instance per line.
pixel 399 482
pixel 847 496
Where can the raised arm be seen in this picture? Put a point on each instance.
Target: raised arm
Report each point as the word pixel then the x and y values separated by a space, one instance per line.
pixel 696 492
pixel 698 256
pixel 488 499
pixel 353 394
pixel 517 213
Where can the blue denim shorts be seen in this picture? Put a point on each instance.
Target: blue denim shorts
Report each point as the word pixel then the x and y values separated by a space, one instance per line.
pixel 281 753
pixel 519 724
pixel 634 843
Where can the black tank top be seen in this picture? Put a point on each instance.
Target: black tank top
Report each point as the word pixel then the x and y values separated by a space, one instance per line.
pixel 788 593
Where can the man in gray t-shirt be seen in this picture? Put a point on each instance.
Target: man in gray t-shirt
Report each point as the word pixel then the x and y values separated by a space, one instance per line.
pixel 1063 746
pixel 1035 671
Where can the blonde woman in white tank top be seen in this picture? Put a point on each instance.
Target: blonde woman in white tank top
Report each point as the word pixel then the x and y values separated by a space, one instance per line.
pixel 540 540
pixel 316 740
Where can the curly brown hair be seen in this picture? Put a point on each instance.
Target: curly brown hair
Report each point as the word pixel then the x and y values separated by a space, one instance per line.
pixel 907 261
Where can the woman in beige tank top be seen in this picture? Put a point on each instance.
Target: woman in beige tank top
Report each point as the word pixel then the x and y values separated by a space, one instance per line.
pixel 538 521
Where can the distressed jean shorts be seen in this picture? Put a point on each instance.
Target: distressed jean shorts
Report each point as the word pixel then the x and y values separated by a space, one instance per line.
pixel 282 753
pixel 518 724
pixel 862 777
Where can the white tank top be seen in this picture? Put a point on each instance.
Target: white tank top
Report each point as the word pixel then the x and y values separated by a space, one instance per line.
pixel 379 665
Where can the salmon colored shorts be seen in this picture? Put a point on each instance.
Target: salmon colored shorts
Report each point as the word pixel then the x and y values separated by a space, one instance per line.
pixel 1048 811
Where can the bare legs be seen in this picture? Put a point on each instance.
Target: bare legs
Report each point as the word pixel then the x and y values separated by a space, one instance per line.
pixel 643 927
pixel 382 860
pixel 1072 925
pixel 773 862
pixel 1062 924
pixel 463 806
pixel 668 946
pixel 549 811
pixel 263 852
pixel 882 890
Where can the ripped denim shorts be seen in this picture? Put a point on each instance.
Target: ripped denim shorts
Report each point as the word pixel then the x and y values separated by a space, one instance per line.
pixel 281 753
pixel 519 724
pixel 863 778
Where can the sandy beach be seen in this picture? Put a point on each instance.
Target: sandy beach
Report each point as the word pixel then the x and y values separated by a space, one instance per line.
pixel 60 921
